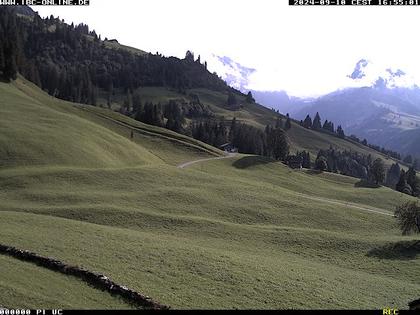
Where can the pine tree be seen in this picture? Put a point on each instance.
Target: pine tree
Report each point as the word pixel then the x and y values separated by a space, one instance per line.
pixel 393 175
pixel 94 96
pixel 307 123
pixel 316 125
pixel 279 144
pixel 1 57
pixel 413 181
pixel 321 163
pixel 306 159
pixel 189 56
pixel 157 116
pixel 147 114
pixel 10 67
pixel 232 129
pixel 110 91
pixel 377 171
pixel 136 102
pixel 340 132
pixel 175 116
pixel 402 185
pixel 288 124
pixel 249 98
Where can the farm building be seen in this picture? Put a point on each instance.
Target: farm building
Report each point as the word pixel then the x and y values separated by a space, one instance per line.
pixel 228 147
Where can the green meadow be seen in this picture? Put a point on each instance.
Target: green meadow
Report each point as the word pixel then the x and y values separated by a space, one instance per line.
pixel 244 232
pixel 24 285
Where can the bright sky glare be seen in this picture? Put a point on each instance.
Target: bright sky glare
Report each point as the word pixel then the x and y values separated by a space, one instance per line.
pixel 302 50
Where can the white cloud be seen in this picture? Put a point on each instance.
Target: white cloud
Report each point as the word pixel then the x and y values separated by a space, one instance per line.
pixel 303 50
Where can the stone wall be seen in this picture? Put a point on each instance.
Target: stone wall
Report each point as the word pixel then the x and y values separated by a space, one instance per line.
pixel 97 280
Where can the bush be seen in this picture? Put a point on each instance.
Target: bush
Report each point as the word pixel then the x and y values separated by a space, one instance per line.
pixel 321 163
pixel 408 216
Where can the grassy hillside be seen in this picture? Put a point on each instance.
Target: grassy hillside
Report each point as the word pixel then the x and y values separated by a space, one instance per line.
pixel 35 134
pixel 37 129
pixel 25 285
pixel 245 232
pixel 193 238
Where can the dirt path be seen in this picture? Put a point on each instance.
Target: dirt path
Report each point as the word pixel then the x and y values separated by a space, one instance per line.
pixel 186 164
pixel 322 199
pixel 348 204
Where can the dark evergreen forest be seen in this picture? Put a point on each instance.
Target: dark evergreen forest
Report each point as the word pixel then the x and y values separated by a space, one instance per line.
pixel 72 62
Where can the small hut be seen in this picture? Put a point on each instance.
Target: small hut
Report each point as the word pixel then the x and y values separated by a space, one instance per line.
pixel 228 147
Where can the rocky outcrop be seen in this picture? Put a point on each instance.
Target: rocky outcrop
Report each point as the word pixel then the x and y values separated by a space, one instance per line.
pixel 96 279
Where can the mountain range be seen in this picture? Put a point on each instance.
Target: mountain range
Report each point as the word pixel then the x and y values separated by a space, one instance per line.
pixel 380 104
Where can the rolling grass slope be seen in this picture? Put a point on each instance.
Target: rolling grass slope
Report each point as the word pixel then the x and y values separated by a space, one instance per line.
pixel 35 134
pixel 245 232
pixel 37 129
pixel 25 285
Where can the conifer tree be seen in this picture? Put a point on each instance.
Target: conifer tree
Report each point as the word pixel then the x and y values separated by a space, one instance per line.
pixel 340 132
pixel 232 129
pixel 377 172
pixel 413 181
pixel 250 98
pixel 316 125
pixel 393 175
pixel 307 123
pixel 288 124
pixel 137 106
pixel 10 67
pixel 402 185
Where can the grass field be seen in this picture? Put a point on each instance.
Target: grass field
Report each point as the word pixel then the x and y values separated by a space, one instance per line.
pixel 245 232
pixel 25 285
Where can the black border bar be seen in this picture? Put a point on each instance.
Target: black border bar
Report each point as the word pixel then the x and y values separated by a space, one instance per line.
pixel 383 3
pixel 45 2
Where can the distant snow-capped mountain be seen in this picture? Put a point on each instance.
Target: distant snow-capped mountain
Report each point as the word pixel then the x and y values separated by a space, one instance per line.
pixel 381 104
pixel 367 73
pixel 235 74
pixel 238 76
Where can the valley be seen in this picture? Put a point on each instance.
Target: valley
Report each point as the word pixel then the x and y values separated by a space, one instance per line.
pixel 154 172
pixel 190 237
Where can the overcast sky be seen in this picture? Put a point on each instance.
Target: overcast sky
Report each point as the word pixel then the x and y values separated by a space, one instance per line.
pixel 302 50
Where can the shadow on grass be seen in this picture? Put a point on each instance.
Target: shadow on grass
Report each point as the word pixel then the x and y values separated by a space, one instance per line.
pixel 403 250
pixel 313 172
pixel 366 184
pixel 3 80
pixel 253 160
